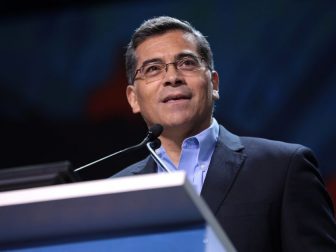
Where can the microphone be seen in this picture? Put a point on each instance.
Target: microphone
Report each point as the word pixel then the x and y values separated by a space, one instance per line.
pixel 153 133
pixel 155 144
pixel 151 146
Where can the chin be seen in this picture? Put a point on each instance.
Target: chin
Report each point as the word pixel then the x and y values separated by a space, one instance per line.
pixel 178 122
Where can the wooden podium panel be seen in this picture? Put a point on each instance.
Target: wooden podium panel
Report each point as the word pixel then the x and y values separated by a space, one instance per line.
pixel 142 212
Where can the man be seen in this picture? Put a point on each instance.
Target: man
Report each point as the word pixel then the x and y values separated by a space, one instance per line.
pixel 267 195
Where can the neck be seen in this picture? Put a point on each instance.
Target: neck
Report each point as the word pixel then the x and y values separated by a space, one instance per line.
pixel 172 139
pixel 173 148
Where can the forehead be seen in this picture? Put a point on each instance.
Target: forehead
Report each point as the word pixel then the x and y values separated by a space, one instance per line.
pixel 166 46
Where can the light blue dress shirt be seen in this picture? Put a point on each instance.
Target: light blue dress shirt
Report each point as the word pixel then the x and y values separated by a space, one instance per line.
pixel 195 155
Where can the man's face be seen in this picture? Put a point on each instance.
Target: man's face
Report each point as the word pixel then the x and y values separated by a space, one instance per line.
pixel 176 101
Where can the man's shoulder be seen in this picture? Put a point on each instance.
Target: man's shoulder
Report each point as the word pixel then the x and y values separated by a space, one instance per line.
pixel 132 169
pixel 256 143
pixel 276 151
pixel 236 142
pixel 260 146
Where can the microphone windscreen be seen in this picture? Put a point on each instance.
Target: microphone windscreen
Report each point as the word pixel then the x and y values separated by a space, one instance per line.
pixel 155 144
pixel 155 131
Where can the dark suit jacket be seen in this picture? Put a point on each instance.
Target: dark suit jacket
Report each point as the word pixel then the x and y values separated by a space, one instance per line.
pixel 267 195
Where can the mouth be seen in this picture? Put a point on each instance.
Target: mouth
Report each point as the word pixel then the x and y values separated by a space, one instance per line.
pixel 176 97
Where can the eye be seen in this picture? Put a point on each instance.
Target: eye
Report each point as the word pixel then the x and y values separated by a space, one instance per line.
pixel 188 64
pixel 152 69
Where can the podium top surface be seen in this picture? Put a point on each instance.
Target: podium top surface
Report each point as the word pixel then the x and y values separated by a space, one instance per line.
pixel 116 205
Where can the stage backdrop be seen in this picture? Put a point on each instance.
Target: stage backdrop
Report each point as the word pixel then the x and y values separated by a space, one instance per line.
pixel 62 80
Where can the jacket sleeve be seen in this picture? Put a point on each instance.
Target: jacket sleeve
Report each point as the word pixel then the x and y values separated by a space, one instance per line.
pixel 307 218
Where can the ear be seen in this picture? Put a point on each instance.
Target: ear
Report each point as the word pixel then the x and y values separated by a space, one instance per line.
pixel 215 85
pixel 132 98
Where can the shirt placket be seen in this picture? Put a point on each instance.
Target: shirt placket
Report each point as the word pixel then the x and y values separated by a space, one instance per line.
pixel 188 163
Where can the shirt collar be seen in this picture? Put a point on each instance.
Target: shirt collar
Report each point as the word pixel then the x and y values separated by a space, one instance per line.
pixel 206 140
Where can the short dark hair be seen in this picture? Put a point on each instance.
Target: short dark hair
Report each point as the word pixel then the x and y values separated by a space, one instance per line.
pixel 159 26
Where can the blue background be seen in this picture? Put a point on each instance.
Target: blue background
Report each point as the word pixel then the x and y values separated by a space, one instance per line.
pixel 62 79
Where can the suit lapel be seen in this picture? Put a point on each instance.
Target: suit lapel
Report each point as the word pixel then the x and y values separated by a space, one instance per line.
pixel 226 161
pixel 223 169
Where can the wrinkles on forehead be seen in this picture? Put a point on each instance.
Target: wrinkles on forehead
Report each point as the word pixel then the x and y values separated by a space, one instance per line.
pixel 176 58
pixel 160 48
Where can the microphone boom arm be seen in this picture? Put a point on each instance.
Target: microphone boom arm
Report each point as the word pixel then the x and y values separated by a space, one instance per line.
pixel 111 155
pixel 153 133
pixel 156 157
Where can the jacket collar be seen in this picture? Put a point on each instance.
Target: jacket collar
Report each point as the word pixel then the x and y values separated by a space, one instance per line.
pixel 226 161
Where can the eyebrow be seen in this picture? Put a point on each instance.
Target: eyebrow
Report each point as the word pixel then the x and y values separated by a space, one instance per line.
pixel 185 54
pixel 177 57
pixel 146 62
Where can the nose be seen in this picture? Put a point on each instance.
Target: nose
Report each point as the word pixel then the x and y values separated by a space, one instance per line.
pixel 172 75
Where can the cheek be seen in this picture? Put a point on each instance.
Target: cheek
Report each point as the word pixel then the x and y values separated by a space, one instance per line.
pixel 205 90
pixel 146 99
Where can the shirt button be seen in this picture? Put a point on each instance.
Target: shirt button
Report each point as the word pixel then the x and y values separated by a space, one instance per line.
pixel 203 167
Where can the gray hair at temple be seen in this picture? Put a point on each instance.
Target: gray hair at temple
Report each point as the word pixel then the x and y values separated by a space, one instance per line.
pixel 159 26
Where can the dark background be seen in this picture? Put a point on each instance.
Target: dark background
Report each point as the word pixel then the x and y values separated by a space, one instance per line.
pixel 62 80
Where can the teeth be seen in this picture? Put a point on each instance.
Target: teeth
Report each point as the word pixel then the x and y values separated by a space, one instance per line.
pixel 175 98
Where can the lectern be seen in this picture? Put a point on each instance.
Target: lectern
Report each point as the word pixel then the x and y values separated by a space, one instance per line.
pixel 156 212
